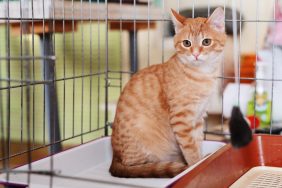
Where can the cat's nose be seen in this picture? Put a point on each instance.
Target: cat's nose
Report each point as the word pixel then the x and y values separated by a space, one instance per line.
pixel 196 55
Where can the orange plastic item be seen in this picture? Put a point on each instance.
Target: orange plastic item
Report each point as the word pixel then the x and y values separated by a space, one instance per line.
pixel 254 122
pixel 228 164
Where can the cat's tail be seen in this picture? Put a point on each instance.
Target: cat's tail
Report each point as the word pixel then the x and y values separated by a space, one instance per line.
pixel 148 170
pixel 240 131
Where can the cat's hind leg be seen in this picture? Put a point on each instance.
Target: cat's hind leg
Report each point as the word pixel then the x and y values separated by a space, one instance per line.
pixel 147 170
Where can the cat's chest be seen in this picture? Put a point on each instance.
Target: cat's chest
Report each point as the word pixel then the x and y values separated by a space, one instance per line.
pixel 192 91
pixel 202 108
pixel 192 98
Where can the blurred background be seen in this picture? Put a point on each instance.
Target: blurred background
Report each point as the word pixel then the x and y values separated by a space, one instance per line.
pixel 94 48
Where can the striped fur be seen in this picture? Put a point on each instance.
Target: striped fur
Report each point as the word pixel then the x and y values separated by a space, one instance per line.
pixel 158 124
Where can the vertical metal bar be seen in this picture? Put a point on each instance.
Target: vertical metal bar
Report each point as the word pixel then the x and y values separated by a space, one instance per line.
pixel 256 43
pixel 206 124
pixel 73 73
pixel 28 118
pixel 2 128
pixel 163 29
pixel 273 68
pixel 148 28
pixel 235 50
pixel 27 91
pixel 64 67
pixel 55 110
pixel 106 71
pixel 8 130
pixel 27 88
pixel 52 115
pixel 64 73
pixel 21 62
pixel 44 102
pixel 28 109
pixel 120 45
pixel 33 75
pixel 82 79
pixel 235 40
pixel 239 53
pixel 91 66
pixel 223 75
pixel 99 67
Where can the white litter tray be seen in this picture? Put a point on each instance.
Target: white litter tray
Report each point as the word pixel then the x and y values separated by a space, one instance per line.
pixel 91 162
pixel 259 177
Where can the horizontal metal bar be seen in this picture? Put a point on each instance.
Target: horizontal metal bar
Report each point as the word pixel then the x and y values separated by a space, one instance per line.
pixel 48 145
pixel 61 79
pixel 267 21
pixel 13 20
pixel 26 81
pixel 97 74
pixel 81 76
pixel 18 20
pixel 248 78
pixel 37 172
pixel 219 133
pixel 121 72
pixel 29 58
pixel 117 86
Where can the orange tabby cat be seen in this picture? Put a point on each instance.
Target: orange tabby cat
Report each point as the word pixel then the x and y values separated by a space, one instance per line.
pixel 157 129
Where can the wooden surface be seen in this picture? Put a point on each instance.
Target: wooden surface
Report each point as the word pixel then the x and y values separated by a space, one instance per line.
pixel 67 10
pixel 52 15
pixel 20 156
pixel 129 26
pixel 39 27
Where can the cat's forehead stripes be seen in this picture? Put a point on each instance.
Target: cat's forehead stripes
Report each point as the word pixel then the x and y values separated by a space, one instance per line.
pixel 195 26
pixel 196 30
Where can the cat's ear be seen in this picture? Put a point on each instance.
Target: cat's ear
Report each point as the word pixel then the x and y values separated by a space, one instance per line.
pixel 216 20
pixel 177 20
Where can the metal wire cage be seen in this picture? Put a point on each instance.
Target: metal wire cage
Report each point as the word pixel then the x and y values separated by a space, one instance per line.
pixel 63 64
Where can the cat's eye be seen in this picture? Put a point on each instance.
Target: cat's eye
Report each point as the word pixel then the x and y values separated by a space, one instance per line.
pixel 206 42
pixel 186 43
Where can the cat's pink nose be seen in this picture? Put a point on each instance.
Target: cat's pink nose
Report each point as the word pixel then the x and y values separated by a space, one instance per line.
pixel 196 55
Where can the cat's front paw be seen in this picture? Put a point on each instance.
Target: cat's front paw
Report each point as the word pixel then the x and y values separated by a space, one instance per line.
pixel 192 159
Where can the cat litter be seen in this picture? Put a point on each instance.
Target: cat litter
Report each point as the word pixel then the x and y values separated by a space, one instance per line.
pixel 87 166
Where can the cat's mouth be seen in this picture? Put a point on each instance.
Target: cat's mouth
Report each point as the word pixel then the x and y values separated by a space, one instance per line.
pixel 198 62
pixel 189 59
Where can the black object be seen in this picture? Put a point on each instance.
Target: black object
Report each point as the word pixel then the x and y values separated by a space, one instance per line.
pixel 274 130
pixel 203 12
pixel 241 134
pixel 51 100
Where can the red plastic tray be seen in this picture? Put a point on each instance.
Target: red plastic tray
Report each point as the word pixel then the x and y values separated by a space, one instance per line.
pixel 228 164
